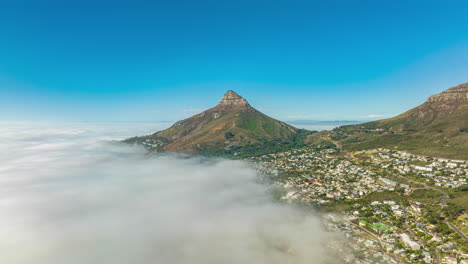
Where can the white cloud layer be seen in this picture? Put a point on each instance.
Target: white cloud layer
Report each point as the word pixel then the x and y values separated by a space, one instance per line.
pixel 68 197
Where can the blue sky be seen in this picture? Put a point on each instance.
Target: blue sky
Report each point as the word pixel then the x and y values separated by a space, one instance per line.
pixel 164 60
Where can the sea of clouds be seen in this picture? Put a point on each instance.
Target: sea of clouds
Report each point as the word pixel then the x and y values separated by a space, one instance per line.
pixel 71 195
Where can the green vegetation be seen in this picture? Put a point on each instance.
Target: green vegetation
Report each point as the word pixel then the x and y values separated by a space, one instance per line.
pixel 260 125
pixel 380 227
pixel 269 146
pixel 452 211
pixel 419 143
pixel 443 228
pixel 228 135
pixel 459 197
pixel 425 196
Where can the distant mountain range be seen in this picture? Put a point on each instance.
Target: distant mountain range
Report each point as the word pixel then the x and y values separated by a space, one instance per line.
pixel 438 127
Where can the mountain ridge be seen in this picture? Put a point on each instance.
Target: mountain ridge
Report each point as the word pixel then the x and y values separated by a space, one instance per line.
pixel 438 127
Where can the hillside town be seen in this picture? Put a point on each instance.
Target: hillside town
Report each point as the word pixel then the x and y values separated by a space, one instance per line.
pixel 394 206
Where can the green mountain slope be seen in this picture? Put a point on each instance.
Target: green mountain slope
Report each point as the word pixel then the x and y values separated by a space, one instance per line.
pixel 438 127
pixel 230 124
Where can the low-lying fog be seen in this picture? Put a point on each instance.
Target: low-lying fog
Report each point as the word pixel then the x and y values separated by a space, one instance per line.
pixel 68 195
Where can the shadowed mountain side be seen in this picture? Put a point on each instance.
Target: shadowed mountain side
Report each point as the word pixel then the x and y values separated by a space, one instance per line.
pixel 438 127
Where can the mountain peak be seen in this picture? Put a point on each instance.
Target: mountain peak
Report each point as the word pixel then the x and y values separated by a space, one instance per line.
pixel 231 100
pixel 230 124
pixel 232 94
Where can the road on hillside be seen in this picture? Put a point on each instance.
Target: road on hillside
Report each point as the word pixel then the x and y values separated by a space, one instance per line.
pixel 456 230
pixel 443 203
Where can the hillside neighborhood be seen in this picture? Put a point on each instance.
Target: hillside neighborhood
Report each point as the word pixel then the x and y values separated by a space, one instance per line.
pixel 394 206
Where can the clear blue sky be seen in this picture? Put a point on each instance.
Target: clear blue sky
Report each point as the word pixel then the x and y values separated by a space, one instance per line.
pixel 164 60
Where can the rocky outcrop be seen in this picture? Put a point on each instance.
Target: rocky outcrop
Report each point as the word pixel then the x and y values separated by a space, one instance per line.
pixel 232 101
pixel 441 105
pixel 454 97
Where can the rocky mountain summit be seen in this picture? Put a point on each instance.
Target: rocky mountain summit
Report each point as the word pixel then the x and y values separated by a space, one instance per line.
pixel 231 123
pixel 231 101
pixel 449 100
pixel 457 94
pixel 439 106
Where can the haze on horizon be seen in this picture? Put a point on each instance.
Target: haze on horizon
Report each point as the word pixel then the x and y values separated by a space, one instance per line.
pixel 101 61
